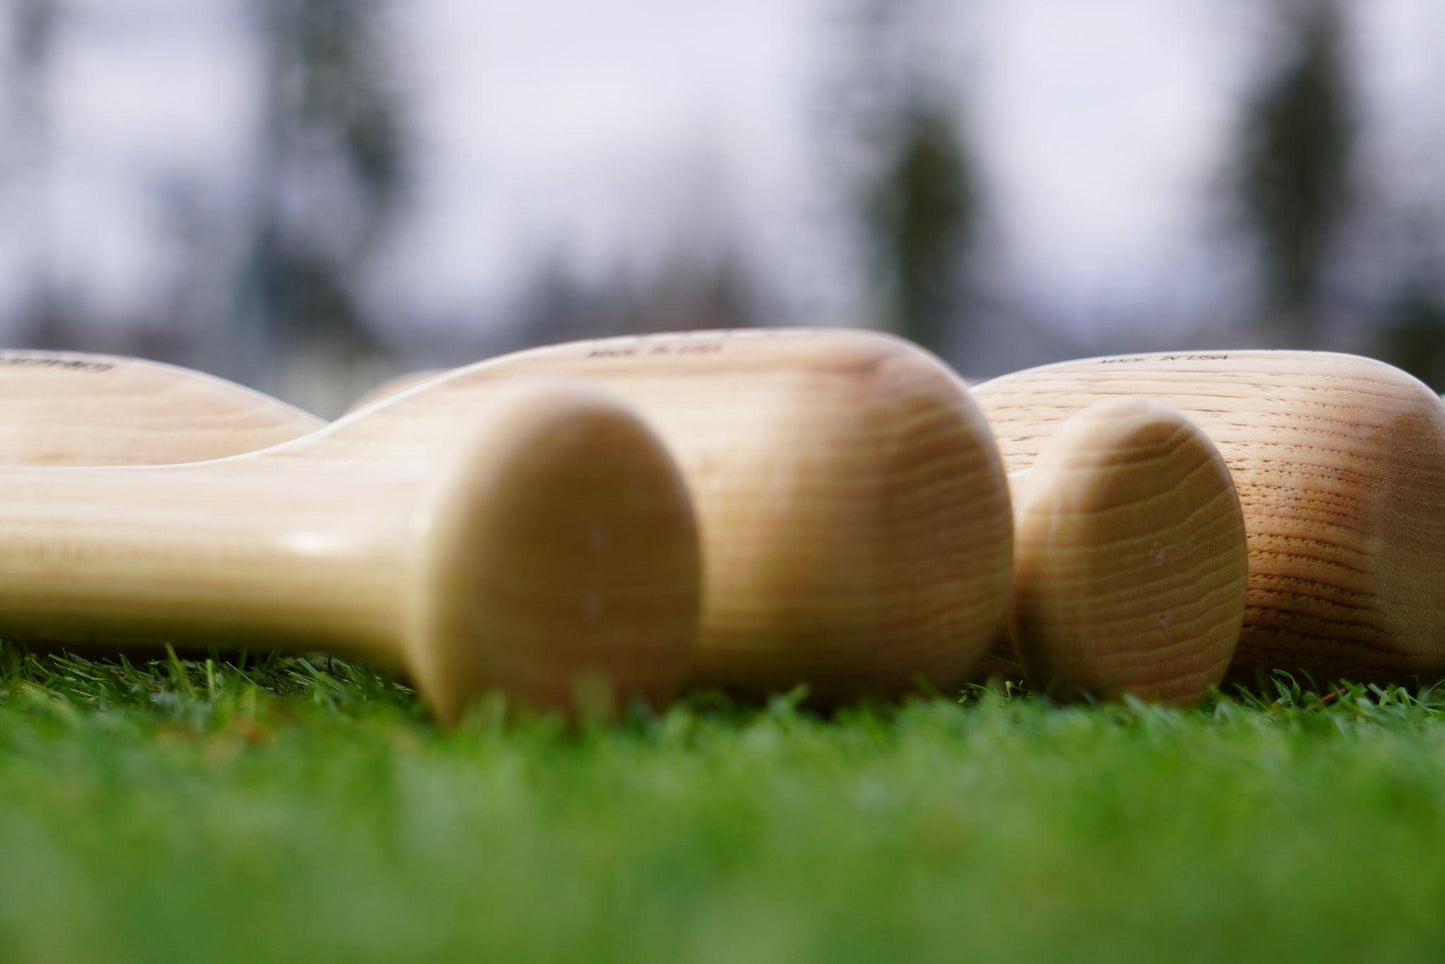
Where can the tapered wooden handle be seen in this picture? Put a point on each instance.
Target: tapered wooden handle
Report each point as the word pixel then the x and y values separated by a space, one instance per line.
pixel 67 408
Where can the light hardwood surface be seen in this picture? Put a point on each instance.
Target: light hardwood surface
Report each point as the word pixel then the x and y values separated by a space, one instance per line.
pixel 1129 557
pixel 853 507
pixel 855 516
pixel 67 408
pixel 1339 462
pixel 534 537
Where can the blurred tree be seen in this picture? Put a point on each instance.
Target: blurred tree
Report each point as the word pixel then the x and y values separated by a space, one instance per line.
pixel 1412 332
pixel 913 189
pixel 921 215
pixel 1292 170
pixel 33 29
pixel 32 35
pixel 329 172
pixel 702 277
pixel 688 293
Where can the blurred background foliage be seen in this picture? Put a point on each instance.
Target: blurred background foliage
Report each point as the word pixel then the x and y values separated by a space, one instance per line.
pixel 295 262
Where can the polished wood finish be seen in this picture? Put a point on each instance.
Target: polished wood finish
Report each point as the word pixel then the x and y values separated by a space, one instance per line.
pixel 534 538
pixel 854 512
pixel 1339 462
pixel 853 507
pixel 66 408
pixel 1129 558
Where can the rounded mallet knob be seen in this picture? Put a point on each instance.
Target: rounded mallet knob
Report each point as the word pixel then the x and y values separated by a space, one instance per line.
pixel 1129 558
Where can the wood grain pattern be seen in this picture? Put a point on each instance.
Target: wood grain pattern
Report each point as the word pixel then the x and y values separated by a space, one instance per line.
pixel 1340 469
pixel 1129 558
pixel 854 512
pixel 533 538
pixel 66 408
pixel 853 507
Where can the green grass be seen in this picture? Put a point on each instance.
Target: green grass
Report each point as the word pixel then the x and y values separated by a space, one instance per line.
pixel 295 808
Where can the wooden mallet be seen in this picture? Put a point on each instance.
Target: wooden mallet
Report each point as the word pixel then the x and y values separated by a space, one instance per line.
pixel 853 508
pixel 1339 462
pixel 533 537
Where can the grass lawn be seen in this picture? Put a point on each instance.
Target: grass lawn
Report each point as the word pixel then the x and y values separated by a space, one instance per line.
pixel 194 810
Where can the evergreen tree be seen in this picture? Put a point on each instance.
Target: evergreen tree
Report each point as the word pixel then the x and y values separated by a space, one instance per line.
pixel 921 216
pixel 33 28
pixel 333 136
pixel 912 184
pixel 1293 173
pixel 1412 333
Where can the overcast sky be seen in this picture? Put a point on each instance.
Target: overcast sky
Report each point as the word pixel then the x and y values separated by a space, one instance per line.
pixel 595 132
